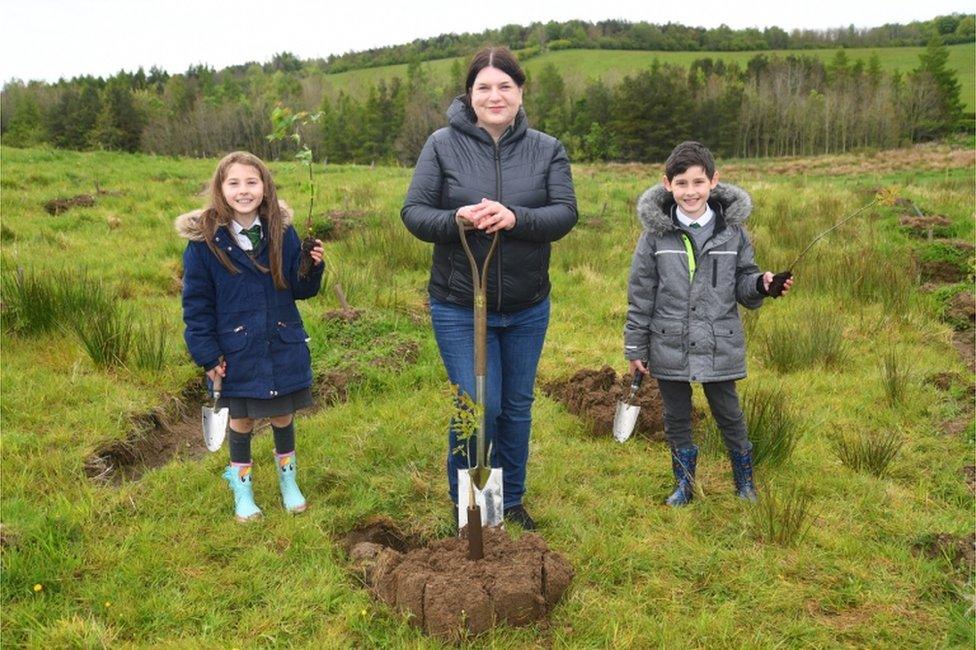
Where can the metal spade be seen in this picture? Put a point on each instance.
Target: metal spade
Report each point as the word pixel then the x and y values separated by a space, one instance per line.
pixel 214 420
pixel 626 416
pixel 486 481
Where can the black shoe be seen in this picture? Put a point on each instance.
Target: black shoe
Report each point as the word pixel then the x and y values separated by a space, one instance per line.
pixel 517 514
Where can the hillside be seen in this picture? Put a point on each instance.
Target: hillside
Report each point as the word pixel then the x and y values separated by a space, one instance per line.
pixel 576 66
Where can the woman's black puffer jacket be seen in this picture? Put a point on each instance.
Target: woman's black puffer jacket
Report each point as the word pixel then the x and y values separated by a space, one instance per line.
pixel 527 171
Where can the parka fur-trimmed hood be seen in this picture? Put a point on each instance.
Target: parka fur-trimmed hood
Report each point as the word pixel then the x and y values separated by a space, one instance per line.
pixel 188 225
pixel 654 207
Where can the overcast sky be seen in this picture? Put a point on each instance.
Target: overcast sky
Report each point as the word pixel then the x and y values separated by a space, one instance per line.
pixel 49 39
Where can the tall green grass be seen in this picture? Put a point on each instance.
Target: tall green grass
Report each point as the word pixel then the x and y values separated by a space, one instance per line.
pixel 38 301
pixel 781 515
pixel 871 452
pixel 815 340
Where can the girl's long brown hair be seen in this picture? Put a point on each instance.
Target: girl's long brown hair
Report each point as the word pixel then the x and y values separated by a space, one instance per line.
pixel 219 213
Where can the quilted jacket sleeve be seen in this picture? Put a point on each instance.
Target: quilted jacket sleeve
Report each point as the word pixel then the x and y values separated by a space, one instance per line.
pixel 555 219
pixel 421 212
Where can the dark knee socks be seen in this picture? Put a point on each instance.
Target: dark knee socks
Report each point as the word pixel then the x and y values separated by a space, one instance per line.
pixel 240 443
pixel 284 438
pixel 240 447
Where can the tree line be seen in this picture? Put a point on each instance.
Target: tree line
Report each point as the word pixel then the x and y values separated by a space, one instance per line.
pixel 772 106
pixel 625 35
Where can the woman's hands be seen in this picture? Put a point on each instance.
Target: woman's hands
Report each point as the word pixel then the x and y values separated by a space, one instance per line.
pixel 490 216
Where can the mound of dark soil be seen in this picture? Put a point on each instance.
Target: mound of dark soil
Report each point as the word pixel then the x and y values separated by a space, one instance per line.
pixel 333 386
pixel 962 308
pixel 941 271
pixel 451 597
pixel 170 430
pixel 927 226
pixel 593 396
pixel 57 206
pixel 960 550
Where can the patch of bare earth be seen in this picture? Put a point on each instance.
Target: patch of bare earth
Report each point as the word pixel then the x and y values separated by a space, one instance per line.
pixel 593 395
pixel 959 550
pixel 171 430
pixel 55 207
pixel 451 597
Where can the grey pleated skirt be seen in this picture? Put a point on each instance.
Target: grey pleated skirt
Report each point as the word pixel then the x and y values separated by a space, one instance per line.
pixel 251 407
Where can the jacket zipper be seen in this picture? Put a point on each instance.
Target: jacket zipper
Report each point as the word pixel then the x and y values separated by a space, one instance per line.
pixel 498 195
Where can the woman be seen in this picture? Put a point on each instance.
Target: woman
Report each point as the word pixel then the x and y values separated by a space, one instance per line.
pixel 488 171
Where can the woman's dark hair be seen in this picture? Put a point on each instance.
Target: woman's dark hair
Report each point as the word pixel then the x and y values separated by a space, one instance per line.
pixel 494 57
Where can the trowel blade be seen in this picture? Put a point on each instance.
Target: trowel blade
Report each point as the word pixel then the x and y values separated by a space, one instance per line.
pixel 624 421
pixel 214 426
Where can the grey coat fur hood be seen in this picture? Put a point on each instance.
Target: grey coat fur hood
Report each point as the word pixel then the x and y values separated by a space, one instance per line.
pixel 655 207
pixel 682 316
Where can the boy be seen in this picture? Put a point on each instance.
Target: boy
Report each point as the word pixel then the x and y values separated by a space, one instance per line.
pixel 693 263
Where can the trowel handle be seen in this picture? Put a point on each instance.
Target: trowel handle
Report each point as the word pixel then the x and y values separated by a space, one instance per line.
pixel 776 286
pixel 636 381
pixel 218 383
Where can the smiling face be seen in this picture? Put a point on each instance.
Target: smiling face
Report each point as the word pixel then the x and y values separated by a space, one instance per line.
pixel 690 190
pixel 496 99
pixel 243 190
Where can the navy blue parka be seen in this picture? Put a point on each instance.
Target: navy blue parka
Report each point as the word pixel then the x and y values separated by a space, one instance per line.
pixel 243 317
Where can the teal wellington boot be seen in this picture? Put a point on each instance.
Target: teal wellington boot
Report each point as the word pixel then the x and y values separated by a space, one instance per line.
pixel 239 478
pixel 291 496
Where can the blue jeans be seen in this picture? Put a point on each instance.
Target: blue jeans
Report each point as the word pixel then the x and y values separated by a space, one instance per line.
pixel 514 344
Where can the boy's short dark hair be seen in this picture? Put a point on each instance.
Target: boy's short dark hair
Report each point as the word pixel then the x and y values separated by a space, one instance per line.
pixel 687 155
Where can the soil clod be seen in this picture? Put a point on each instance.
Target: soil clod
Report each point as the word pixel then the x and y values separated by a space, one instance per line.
pixel 55 207
pixel 452 598
pixel 593 396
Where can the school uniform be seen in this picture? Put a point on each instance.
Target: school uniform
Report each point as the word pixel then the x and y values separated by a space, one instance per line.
pixel 244 319
pixel 687 279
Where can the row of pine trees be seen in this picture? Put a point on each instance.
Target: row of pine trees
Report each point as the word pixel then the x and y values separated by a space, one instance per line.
pixel 774 106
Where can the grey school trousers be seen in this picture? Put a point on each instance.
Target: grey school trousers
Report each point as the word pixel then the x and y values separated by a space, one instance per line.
pixel 722 401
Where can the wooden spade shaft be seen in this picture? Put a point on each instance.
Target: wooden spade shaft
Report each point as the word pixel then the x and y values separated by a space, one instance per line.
pixel 481 471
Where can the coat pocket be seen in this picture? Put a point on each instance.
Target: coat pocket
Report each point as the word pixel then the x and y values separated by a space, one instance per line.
pixel 730 346
pixel 292 358
pixel 668 345
pixel 240 364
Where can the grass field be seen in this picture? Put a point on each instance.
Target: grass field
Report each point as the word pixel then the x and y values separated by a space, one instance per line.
pixel 577 66
pixel 160 561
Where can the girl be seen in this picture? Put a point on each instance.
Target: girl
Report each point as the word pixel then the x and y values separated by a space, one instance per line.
pixel 240 283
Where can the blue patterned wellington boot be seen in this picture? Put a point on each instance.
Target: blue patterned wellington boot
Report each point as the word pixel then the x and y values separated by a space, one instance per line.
pixel 683 463
pixel 239 478
pixel 742 475
pixel 291 496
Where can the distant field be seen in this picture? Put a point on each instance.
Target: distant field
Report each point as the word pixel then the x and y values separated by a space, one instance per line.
pixel 577 66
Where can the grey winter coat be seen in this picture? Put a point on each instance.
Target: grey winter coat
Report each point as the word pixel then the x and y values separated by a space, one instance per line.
pixel 689 329
pixel 527 171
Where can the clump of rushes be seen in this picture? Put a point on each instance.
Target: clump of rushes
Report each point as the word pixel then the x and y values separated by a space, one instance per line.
pixel 149 345
pixel 869 452
pixel 106 336
pixel 773 426
pixel 285 125
pixel 781 515
pixel 817 338
pixel 36 302
pixel 895 377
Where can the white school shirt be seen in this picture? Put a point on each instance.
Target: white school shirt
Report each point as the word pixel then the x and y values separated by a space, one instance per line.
pixel 686 221
pixel 238 231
